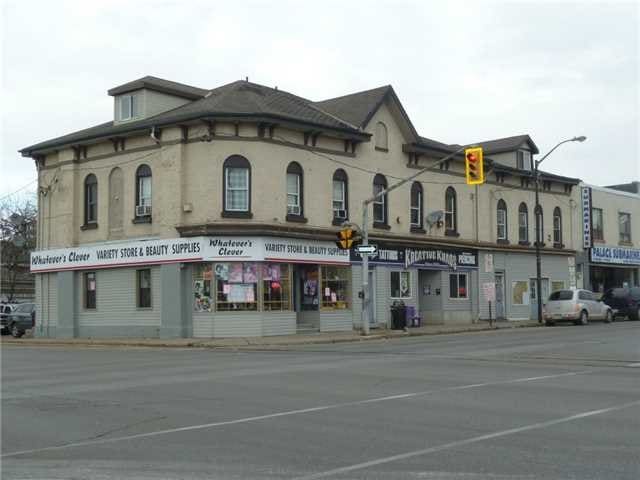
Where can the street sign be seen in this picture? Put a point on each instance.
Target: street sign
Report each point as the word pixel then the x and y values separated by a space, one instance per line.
pixel 489 290
pixel 367 249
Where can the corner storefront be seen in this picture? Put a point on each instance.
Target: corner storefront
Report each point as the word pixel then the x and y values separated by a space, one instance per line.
pixel 608 267
pixel 201 286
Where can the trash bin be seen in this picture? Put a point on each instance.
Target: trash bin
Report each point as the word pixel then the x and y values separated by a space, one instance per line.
pixel 398 315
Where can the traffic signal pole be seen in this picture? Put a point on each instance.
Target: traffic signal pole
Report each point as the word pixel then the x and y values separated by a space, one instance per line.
pixel 365 233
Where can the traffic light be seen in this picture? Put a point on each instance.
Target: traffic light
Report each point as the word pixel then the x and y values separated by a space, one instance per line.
pixel 474 166
pixel 347 238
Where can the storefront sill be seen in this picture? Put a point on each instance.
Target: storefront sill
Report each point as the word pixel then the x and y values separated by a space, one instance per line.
pixel 89 226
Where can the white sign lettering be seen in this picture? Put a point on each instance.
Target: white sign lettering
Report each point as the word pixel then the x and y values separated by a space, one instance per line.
pixel 586 217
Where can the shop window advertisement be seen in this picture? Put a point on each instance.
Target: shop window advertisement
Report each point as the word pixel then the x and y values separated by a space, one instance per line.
pixel 237 286
pixel 335 287
pixel 202 277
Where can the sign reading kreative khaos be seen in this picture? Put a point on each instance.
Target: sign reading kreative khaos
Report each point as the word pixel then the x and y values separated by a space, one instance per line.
pixel 145 252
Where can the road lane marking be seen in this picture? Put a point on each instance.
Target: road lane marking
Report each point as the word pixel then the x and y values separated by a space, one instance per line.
pixel 634 365
pixel 291 412
pixel 459 443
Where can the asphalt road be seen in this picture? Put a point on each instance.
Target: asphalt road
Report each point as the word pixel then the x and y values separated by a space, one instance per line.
pixel 550 403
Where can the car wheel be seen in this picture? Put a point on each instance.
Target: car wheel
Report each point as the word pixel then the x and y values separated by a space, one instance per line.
pixel 15 331
pixel 584 318
pixel 608 318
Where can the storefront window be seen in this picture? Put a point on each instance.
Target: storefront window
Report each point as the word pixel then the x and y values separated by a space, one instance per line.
pixel 276 286
pixel 237 286
pixel 457 285
pixel 520 293
pixel 335 287
pixel 400 284
pixel 202 277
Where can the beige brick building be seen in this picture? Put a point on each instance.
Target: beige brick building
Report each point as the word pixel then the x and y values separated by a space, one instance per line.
pixel 200 212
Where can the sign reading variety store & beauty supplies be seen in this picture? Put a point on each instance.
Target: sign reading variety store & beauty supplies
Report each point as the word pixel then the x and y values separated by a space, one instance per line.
pixel 195 249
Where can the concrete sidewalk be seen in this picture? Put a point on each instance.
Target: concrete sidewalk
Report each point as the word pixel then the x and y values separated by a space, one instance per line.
pixel 268 342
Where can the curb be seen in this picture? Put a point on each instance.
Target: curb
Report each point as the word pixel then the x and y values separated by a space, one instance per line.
pixel 252 342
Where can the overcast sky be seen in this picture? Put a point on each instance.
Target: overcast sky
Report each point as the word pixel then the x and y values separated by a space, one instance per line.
pixel 465 72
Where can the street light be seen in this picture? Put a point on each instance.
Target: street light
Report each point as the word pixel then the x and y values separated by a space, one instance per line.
pixel 537 163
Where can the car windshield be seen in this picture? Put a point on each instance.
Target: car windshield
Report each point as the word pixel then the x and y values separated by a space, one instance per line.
pixel 561 295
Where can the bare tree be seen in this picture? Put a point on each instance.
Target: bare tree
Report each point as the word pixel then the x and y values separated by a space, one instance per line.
pixel 18 223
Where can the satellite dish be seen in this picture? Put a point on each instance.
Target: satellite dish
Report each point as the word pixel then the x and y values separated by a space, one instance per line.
pixel 435 218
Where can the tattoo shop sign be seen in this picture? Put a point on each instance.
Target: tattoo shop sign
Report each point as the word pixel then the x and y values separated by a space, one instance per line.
pixel 193 249
pixel 447 258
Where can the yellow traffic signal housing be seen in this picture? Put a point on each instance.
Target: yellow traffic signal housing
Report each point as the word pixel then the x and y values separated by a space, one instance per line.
pixel 347 238
pixel 474 166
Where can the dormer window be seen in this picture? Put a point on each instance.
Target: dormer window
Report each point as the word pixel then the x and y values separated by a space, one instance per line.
pixel 524 160
pixel 128 107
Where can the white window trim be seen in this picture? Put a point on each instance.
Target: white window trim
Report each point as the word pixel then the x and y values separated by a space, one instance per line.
pixel 144 200
pixel 130 112
pixel 502 224
pixel 341 200
pixel 227 207
pixel 451 213
pixel 400 272
pixel 419 209
pixel 466 298
pixel 296 194
pixel 380 201
pixel 620 232
pixel 525 225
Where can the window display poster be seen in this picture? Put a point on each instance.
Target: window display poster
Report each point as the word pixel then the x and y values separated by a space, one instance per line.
pixel 271 272
pixel 235 272
pixel 222 271
pixel 226 288
pixel 327 292
pixel 250 273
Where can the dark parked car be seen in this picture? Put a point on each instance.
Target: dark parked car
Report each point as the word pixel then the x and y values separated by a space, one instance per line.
pixel 22 319
pixel 5 311
pixel 625 302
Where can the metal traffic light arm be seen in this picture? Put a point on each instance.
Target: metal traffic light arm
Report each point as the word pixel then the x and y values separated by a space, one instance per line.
pixel 365 231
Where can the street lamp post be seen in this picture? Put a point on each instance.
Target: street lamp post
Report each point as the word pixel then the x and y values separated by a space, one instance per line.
pixel 539 221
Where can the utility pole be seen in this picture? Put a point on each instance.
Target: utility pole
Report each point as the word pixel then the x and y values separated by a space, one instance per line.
pixel 365 232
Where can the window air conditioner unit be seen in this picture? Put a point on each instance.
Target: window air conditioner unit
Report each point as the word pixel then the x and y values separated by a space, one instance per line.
pixel 293 210
pixel 143 210
pixel 339 214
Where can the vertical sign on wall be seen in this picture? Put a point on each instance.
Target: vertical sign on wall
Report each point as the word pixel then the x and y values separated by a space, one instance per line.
pixel 586 217
pixel 488 263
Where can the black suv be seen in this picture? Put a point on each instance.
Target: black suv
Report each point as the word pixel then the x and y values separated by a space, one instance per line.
pixel 625 302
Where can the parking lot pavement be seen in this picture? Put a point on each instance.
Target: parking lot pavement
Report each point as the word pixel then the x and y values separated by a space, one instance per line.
pixel 550 403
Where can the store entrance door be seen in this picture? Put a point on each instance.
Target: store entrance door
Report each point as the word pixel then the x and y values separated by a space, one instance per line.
pixel 306 298
pixel 500 296
pixel 534 295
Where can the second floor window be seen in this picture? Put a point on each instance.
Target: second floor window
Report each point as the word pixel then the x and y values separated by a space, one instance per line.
pixel 557 227
pixel 129 107
pixel 237 185
pixel 523 223
pixel 339 198
pixel 143 191
pixel 501 219
pixel 597 229
pixel 624 220
pixel 294 189
pixel 416 205
pixel 90 199
pixel 380 204
pixel 450 211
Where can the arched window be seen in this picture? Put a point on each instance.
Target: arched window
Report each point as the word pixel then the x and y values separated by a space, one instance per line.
pixel 557 227
pixel 380 206
pixel 382 139
pixel 90 200
pixel 539 225
pixel 294 190
pixel 416 210
pixel 501 220
pixel 340 199
pixel 236 187
pixel 450 211
pixel 523 223
pixel 143 191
